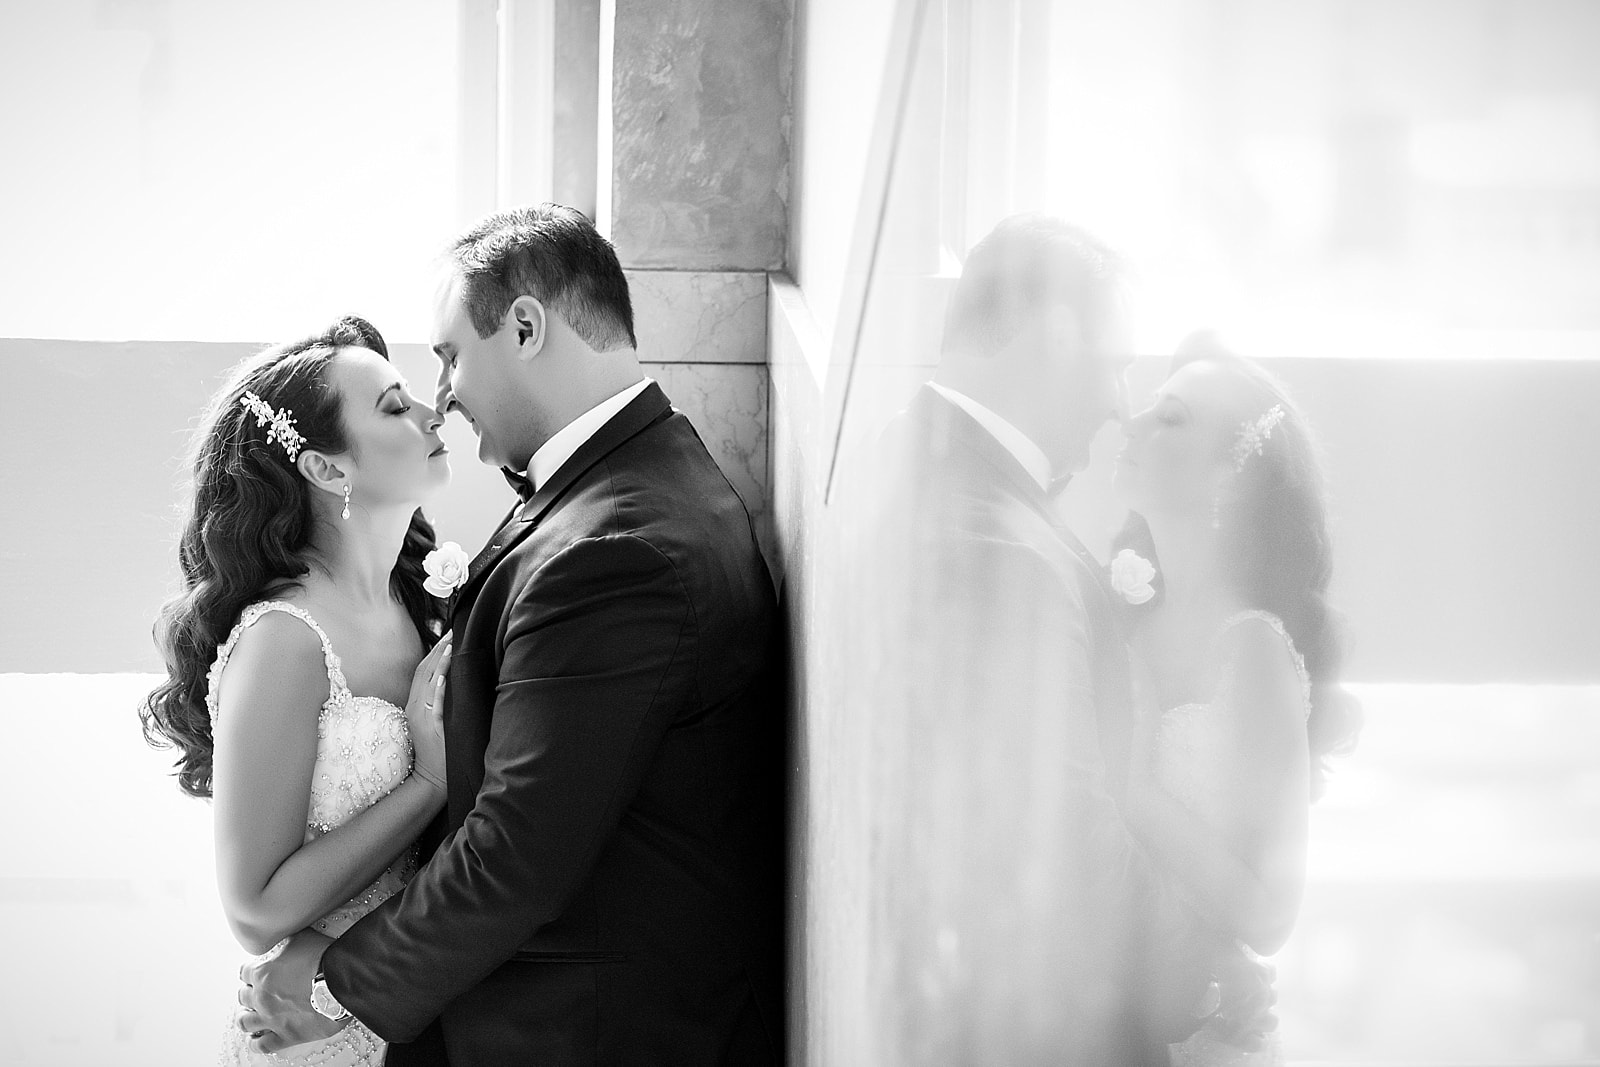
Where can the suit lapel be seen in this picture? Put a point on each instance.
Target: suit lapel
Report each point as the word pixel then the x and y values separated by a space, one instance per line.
pixel 643 411
pixel 948 420
pixel 950 426
pixel 1097 571
pixel 954 428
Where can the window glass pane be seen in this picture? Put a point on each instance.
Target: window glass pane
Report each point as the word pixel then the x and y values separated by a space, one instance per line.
pixel 224 170
pixel 1341 177
pixel 1412 178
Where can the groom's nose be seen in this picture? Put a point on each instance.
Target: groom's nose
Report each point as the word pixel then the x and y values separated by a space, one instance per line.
pixel 443 398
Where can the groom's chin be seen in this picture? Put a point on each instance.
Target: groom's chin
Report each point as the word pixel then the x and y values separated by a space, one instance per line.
pixel 488 455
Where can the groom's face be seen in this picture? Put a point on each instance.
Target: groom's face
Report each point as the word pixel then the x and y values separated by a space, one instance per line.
pixel 1080 387
pixel 477 379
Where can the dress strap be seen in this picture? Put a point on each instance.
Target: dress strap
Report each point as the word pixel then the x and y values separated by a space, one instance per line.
pixel 1283 632
pixel 247 618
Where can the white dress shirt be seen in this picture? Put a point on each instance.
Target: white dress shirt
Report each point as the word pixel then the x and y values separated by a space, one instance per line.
pixel 1013 440
pixel 567 440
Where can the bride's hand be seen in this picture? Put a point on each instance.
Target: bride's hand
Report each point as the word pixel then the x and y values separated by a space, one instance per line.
pixel 425 713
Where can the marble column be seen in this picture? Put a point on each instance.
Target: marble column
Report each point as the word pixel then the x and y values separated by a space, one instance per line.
pixel 700 133
pixel 700 106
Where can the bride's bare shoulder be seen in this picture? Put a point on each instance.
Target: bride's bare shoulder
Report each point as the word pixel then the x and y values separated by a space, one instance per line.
pixel 1265 673
pixel 277 654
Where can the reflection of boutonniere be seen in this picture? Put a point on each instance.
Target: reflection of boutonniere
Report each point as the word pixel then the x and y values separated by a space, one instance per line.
pixel 1130 577
pixel 446 567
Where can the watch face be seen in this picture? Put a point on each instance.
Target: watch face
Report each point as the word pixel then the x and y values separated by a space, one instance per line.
pixel 324 1002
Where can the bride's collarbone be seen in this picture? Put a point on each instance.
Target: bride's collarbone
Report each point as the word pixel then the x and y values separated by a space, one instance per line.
pixel 1189 681
pixel 1180 654
pixel 377 650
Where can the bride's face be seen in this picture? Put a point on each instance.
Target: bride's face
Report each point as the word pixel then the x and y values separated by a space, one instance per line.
pixel 1176 457
pixel 395 455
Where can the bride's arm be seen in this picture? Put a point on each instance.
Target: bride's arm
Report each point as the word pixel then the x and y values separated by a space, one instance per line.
pixel 271 883
pixel 1248 873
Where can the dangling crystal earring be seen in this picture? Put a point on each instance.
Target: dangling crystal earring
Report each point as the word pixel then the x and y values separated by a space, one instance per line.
pixel 345 514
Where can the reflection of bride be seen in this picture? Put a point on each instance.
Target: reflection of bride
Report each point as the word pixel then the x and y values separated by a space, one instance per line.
pixel 1239 649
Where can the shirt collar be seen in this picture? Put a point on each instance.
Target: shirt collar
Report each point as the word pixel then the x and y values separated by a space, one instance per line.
pixel 1020 445
pixel 567 440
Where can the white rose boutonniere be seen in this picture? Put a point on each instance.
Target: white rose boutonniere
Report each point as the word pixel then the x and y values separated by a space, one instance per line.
pixel 1130 576
pixel 447 569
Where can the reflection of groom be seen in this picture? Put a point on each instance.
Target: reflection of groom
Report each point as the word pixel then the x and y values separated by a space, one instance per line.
pixel 1039 931
pixel 605 886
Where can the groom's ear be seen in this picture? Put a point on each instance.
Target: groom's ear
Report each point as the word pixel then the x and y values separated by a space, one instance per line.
pixel 322 471
pixel 528 318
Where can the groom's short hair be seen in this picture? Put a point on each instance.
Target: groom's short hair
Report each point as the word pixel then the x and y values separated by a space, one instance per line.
pixel 1027 264
pixel 553 253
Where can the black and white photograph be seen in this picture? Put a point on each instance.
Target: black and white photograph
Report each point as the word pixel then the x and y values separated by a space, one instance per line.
pixel 830 533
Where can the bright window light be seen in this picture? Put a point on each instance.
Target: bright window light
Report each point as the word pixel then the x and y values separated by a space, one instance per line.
pixel 225 171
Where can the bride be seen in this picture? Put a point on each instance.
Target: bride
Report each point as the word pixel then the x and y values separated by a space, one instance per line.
pixel 1225 564
pixel 297 640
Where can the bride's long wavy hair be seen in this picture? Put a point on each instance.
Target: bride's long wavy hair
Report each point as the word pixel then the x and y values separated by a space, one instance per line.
pixel 1274 542
pixel 248 528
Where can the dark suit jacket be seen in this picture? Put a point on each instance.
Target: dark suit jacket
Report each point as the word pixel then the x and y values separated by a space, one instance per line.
pixel 1076 951
pixel 606 888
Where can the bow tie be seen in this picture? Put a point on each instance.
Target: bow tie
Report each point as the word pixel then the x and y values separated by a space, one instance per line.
pixel 522 485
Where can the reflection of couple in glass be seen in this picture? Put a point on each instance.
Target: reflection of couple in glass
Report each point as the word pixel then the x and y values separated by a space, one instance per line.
pixel 525 811
pixel 1110 773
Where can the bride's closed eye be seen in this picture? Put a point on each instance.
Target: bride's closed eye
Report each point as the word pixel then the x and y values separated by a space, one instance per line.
pixel 398 395
pixel 403 401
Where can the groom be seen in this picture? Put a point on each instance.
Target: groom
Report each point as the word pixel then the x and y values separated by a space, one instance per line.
pixel 605 882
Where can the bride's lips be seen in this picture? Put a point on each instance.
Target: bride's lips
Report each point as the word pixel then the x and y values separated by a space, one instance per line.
pixel 440 451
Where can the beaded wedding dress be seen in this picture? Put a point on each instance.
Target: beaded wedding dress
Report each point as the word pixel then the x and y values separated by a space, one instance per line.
pixel 1191 752
pixel 363 751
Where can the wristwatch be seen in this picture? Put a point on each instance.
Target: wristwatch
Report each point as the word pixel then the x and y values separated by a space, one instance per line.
pixel 325 1002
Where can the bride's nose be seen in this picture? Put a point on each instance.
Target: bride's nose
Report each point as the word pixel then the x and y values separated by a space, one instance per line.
pixel 431 421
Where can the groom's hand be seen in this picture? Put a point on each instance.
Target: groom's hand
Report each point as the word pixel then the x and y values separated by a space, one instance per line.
pixel 1244 1018
pixel 275 996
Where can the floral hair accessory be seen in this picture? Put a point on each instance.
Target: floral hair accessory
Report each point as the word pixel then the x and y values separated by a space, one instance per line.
pixel 279 424
pixel 1131 575
pixel 1254 435
pixel 446 567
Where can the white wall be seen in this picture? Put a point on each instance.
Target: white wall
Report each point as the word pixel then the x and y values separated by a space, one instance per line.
pixel 840 46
